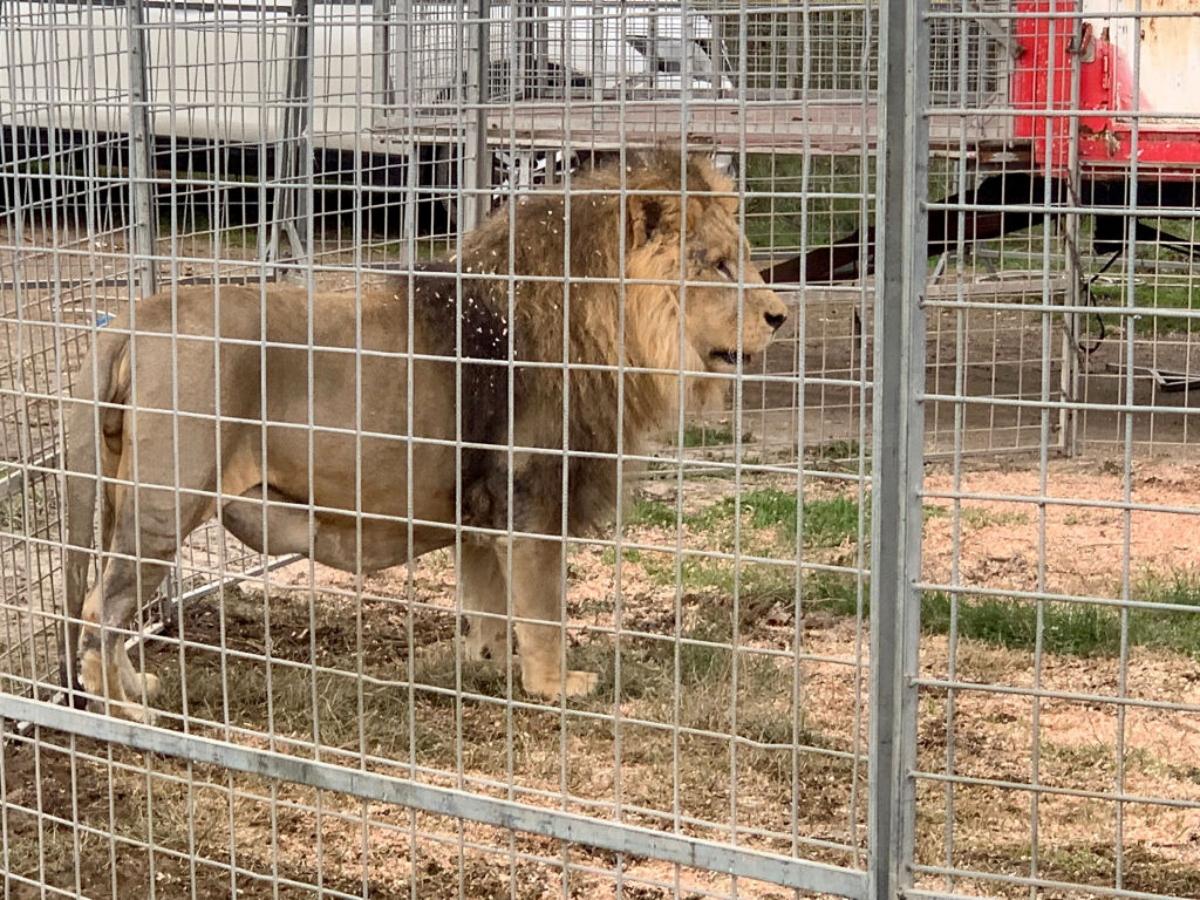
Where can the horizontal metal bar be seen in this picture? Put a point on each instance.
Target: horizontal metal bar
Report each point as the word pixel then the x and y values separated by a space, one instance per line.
pixel 1046 500
pixel 951 684
pixel 1131 408
pixel 1051 790
pixel 615 836
pixel 936 895
pixel 1058 15
pixel 1047 209
pixel 1072 888
pixel 1007 112
pixel 1137 312
pixel 509 534
pixel 479 783
pixel 122 281
pixel 1036 596
pixel 1150 265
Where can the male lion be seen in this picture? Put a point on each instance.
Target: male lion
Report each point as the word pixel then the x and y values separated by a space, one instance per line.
pixel 214 421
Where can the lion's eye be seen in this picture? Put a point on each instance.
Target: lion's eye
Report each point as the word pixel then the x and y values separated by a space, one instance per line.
pixel 727 270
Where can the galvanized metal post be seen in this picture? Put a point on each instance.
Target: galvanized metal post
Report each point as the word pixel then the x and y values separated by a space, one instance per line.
pixel 792 48
pixel 383 98
pixel 541 52
pixel 405 111
pixel 141 154
pixel 523 76
pixel 898 440
pixel 400 71
pixel 1068 420
pixel 294 149
pixel 477 168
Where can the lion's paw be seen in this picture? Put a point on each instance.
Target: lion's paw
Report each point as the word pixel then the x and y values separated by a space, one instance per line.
pixel 475 649
pixel 579 683
pixel 485 641
pixel 122 709
pixel 151 685
pixel 134 713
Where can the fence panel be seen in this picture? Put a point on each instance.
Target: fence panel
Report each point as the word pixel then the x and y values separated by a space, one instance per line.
pixel 1058 602
pixel 354 725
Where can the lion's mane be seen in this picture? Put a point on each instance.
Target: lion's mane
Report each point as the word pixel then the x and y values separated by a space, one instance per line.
pixel 590 251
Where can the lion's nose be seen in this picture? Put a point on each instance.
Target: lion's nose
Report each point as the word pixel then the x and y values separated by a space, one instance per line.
pixel 775 320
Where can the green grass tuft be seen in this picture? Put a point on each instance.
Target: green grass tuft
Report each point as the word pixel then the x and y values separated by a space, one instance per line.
pixel 827 523
pixel 650 512
pixel 1154 302
pixel 1074 629
pixel 716 435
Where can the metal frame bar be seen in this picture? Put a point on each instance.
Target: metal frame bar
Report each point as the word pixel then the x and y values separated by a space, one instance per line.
pixel 141 152
pixel 897 516
pixel 293 150
pixel 618 837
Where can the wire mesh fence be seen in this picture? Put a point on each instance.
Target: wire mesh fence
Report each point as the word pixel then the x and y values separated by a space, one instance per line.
pixel 907 605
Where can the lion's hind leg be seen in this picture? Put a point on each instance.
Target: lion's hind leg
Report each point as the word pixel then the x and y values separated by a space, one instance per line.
pixel 105 670
pixel 139 560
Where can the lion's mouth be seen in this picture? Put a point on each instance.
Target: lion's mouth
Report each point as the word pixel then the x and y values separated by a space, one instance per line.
pixel 730 357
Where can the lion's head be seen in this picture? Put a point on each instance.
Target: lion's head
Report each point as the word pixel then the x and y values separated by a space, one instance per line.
pixel 680 259
pixel 717 287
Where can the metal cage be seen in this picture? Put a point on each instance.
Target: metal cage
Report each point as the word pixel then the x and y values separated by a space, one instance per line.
pixel 910 610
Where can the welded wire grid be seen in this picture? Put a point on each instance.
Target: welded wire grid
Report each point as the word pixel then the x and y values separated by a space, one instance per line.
pixel 331 146
pixel 1059 600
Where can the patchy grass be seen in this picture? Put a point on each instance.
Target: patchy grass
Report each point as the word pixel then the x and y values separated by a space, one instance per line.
pixel 976 517
pixel 650 512
pixel 1091 863
pixel 700 434
pixel 835 456
pixel 1074 629
pixel 1154 302
pixel 769 528
pixel 827 522
pixel 774 222
pixel 425 248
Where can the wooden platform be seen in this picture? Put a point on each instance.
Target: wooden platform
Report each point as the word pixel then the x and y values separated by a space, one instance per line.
pixel 833 125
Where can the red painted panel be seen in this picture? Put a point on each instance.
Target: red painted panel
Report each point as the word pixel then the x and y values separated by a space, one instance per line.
pixel 1041 85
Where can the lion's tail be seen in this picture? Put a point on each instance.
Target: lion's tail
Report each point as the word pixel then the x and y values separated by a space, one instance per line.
pixel 80 466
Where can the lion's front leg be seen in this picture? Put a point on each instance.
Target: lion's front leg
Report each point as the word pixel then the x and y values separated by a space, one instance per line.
pixel 537 587
pixel 485 592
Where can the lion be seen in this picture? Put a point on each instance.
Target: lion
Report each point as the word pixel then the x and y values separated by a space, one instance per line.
pixel 204 404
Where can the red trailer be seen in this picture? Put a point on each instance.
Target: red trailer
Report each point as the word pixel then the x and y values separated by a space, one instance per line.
pixel 1101 93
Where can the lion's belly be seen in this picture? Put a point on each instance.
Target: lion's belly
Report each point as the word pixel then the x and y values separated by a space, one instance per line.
pixel 358 445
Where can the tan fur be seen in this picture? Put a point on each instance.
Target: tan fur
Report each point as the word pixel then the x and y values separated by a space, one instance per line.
pixel 371 474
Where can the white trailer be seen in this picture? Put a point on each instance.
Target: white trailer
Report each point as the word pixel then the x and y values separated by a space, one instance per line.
pixel 219 70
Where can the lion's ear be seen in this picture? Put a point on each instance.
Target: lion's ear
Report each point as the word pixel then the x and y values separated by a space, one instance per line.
pixel 648 216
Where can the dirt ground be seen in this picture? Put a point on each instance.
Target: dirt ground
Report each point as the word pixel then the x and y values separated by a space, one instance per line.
pixel 794 755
